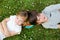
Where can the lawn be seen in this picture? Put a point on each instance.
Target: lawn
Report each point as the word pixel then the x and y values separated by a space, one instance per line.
pixel 11 7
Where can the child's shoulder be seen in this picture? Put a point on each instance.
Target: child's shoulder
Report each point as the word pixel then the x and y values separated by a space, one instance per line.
pixel 53 6
pixel 12 16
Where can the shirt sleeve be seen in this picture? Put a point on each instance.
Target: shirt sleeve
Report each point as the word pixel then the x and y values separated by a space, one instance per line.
pixel 52 8
pixel 50 25
pixel 48 11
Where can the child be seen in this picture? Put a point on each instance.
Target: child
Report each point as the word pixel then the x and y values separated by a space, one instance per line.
pixel 12 25
pixel 50 17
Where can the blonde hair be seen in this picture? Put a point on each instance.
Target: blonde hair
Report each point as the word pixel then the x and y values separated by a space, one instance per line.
pixel 22 13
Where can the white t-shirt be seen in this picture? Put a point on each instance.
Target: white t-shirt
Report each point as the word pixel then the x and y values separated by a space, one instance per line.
pixel 52 12
pixel 12 26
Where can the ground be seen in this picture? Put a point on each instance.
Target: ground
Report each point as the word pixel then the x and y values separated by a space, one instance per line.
pixel 38 32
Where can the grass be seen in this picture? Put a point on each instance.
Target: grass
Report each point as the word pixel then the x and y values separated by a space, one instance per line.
pixel 11 7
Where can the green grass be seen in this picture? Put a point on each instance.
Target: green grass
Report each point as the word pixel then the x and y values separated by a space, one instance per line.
pixel 11 7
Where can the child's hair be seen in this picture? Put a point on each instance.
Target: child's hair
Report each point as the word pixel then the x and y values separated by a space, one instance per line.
pixel 32 17
pixel 23 13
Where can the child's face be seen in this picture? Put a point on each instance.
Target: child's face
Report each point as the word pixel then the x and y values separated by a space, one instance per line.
pixel 20 19
pixel 41 18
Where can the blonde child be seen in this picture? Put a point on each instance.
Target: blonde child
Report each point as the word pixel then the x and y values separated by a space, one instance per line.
pixel 12 25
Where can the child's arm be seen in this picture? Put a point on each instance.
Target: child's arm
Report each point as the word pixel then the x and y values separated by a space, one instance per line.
pixel 1 28
pixel 6 31
pixel 13 33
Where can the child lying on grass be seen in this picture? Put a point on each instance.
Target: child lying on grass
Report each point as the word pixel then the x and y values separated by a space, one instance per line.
pixel 49 18
pixel 12 25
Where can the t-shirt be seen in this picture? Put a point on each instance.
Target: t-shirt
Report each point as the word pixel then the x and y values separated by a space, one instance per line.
pixel 52 12
pixel 12 26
